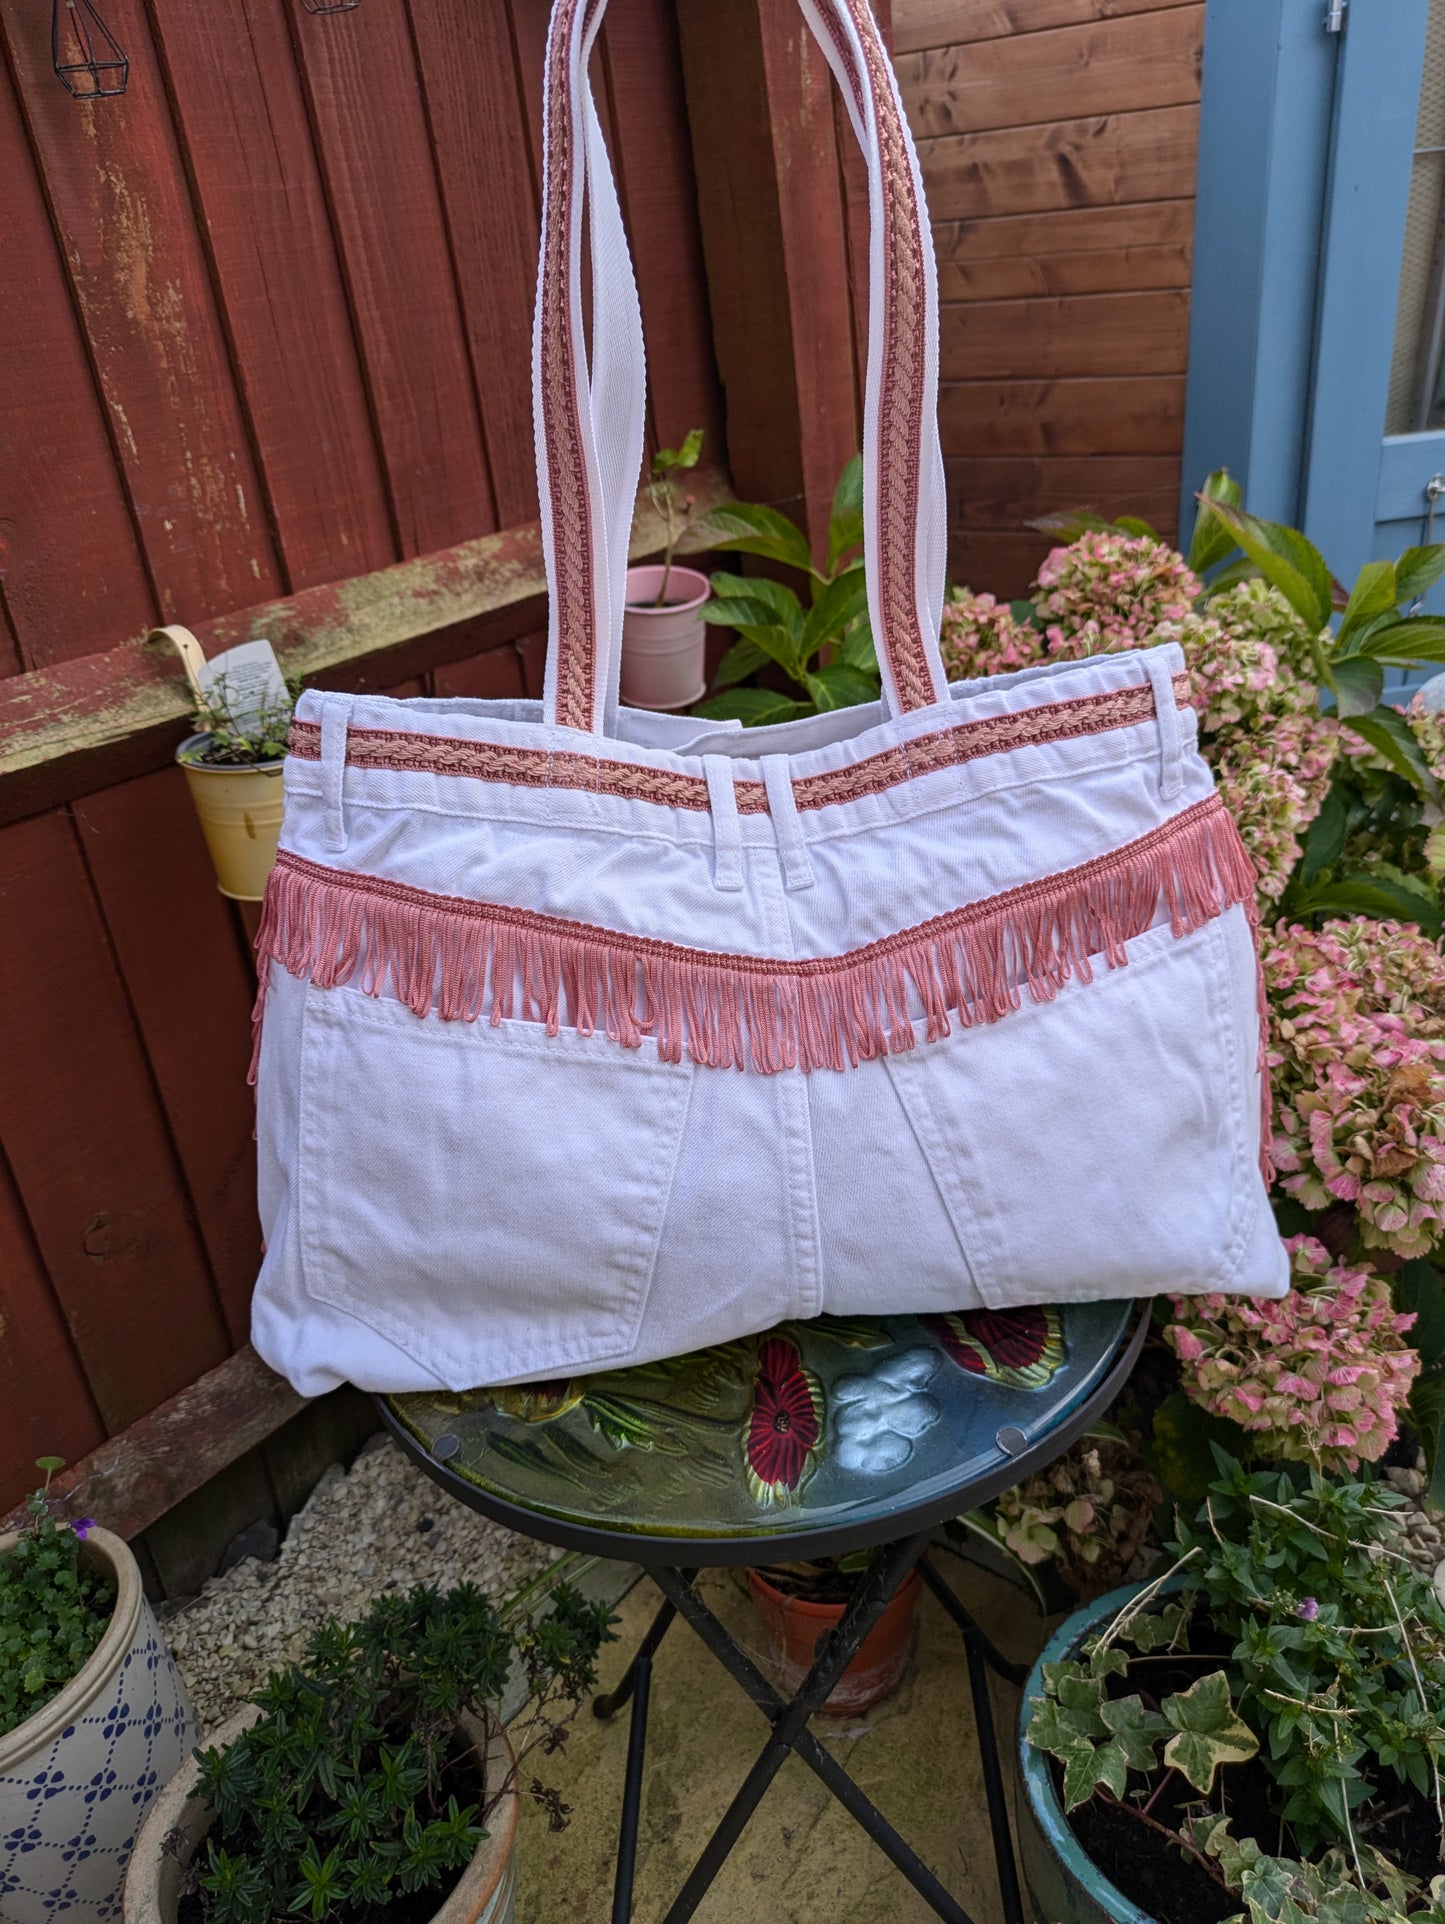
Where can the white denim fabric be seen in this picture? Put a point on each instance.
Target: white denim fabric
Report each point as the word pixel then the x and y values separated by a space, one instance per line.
pixel 449 1203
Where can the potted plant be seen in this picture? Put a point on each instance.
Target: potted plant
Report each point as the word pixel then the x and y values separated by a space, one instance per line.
pixel 93 1715
pixel 373 1782
pixel 663 638
pixel 826 649
pixel 799 1603
pixel 1260 1731
pixel 233 768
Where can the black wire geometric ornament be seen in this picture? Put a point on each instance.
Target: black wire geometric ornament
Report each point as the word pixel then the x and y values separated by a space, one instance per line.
pixel 329 6
pixel 84 52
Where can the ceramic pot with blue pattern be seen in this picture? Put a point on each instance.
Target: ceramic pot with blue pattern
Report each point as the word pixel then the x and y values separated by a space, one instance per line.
pixel 77 1778
pixel 1066 1885
pixel 485 1893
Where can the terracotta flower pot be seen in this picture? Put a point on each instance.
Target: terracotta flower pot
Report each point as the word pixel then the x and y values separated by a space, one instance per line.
pixel 662 648
pixel 240 811
pixel 77 1778
pixel 485 1893
pixel 792 1627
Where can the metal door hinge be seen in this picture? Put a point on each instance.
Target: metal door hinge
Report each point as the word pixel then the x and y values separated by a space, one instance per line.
pixel 1335 16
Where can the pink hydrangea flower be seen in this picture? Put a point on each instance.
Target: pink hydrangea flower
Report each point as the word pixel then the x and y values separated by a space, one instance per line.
pixel 1124 585
pixel 1357 1057
pixel 980 636
pixel 1320 1376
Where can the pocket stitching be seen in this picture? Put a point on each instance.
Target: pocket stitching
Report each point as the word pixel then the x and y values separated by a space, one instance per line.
pixel 639 1254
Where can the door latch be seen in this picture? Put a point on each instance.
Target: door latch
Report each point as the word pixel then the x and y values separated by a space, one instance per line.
pixel 1335 16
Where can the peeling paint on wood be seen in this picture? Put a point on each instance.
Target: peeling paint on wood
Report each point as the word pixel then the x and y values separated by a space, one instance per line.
pixel 68 730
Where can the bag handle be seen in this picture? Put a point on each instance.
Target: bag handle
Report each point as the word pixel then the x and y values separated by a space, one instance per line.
pixel 589 425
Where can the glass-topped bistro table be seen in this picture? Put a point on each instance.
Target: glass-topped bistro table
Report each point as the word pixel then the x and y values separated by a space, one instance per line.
pixel 812 1440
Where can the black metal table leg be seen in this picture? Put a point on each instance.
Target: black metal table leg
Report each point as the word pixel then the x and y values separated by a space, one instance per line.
pixel 982 1653
pixel 612 1702
pixel 641 1674
pixel 820 1761
pixel 867 1603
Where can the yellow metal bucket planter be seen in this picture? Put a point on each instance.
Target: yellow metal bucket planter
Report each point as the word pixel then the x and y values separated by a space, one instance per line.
pixel 240 811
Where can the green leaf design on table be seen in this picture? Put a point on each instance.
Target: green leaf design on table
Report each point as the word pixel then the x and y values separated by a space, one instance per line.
pixel 1208 1732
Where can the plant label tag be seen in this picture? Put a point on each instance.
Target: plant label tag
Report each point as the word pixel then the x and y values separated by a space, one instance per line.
pixel 244 683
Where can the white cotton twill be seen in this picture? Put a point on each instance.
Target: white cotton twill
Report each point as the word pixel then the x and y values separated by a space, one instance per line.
pixel 452 1203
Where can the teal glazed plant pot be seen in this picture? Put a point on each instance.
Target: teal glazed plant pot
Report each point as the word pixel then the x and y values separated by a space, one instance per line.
pixel 1066 1886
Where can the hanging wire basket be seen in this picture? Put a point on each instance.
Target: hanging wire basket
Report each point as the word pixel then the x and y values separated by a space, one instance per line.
pixel 88 59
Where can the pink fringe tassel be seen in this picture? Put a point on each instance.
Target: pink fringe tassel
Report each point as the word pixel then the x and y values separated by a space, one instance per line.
pixel 468 960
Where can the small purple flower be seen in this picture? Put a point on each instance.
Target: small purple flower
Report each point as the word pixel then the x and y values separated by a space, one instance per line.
pixel 82 1526
pixel 1307 1609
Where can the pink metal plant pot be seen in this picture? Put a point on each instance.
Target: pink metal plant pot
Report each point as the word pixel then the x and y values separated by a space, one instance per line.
pixel 662 648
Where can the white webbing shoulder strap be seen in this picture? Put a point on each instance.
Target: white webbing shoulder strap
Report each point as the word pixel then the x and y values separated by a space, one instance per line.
pixel 589 423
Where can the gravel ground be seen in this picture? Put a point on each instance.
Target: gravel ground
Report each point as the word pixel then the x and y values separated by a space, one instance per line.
pixel 1424 1529
pixel 383 1526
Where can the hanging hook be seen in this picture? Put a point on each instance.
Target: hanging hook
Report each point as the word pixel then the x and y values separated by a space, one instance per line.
pixel 87 58
pixel 329 6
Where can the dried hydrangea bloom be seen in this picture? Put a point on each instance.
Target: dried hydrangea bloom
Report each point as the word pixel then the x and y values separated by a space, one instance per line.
pixel 1357 1055
pixel 1320 1376
pixel 1108 591
pixel 980 636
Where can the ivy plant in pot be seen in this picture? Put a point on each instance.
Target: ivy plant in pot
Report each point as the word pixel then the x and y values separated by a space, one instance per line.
pixel 663 638
pixel 93 1715
pixel 372 1782
pixel 233 769
pixel 1258 1733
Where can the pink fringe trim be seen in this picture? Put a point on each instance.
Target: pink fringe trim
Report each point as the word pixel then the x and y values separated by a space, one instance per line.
pixel 467 960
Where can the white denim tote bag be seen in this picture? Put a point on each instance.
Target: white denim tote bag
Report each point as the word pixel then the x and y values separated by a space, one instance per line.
pixel 591 1037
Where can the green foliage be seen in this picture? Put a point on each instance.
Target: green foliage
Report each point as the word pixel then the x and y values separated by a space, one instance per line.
pixel 1100 1739
pixel 253 739
pixel 1281 1890
pixel 348 1793
pixel 675 508
pixel 1339 1647
pixel 53 1609
pixel 826 648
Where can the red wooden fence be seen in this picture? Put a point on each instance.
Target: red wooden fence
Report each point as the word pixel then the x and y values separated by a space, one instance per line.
pixel 266 325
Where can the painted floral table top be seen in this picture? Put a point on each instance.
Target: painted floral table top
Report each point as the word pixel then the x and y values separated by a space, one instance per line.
pixel 802 1433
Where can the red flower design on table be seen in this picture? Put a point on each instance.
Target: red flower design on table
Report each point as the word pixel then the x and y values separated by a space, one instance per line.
pixel 786 1426
pixel 1020 1347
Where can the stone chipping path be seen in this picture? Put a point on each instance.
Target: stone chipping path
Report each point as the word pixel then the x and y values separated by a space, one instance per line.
pixel 380 1526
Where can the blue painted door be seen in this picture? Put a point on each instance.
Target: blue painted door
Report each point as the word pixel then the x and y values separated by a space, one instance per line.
pixel 1317 332
pixel 1375 461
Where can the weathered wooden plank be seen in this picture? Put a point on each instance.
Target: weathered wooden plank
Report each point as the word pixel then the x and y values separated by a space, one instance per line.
pixel 386 212
pixel 497 675
pixel 1106 416
pixel 86 1140
pixel 947 23
pixel 71 567
pixel 655 180
pixel 1132 269
pixel 1108 159
pixel 1065 232
pixel 760 109
pixel 87 724
pixel 1004 492
pixel 130 1481
pixel 120 204
pixel 998 564
pixel 1087 334
pixel 240 112
pixel 1098 67
pixel 46 1407
pixel 480 137
pixel 153 877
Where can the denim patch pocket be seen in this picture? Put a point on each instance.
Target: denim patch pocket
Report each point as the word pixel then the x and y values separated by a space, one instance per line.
pixel 1103 1144
pixel 487 1198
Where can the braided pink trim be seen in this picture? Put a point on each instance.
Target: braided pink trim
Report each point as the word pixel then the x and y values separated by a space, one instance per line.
pixel 396 749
